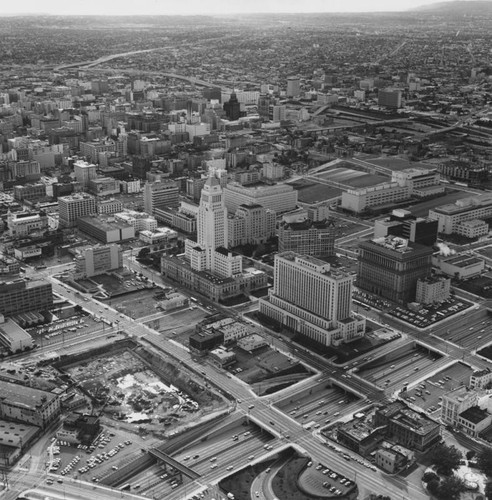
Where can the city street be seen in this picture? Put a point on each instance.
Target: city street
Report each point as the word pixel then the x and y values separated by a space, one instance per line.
pixel 262 410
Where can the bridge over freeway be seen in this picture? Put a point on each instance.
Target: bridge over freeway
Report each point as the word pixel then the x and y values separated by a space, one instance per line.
pixel 163 457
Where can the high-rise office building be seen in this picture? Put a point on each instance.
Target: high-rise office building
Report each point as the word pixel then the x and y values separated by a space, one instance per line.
pixel 194 188
pixel 277 113
pixel 98 259
pixel 390 98
pixel 307 238
pixel 22 296
pixel 232 108
pixel 211 93
pixel 100 86
pixel 390 267
pixel 84 172
pixel 70 208
pixel 264 103
pixel 251 224
pixel 310 298
pixel 160 194
pixel 403 223
pixel 293 86
pixel 24 168
pixel 91 149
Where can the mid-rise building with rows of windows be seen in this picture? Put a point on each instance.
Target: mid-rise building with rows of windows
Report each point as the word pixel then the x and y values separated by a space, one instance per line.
pixel 310 298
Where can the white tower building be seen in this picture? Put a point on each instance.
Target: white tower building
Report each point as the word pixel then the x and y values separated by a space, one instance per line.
pixel 212 216
pixel 210 252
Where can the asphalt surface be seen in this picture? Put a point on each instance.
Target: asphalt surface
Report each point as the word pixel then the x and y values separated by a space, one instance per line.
pixel 283 427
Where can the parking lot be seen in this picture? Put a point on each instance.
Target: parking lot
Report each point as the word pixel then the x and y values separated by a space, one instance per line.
pixel 428 394
pixel 431 314
pixel 137 304
pixel 65 329
pixel 108 451
pixel 320 479
pixel 179 324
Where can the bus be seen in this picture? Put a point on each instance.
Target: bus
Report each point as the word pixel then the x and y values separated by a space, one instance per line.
pixel 193 299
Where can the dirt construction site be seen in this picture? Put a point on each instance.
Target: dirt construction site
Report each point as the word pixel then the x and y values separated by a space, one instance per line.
pixel 131 387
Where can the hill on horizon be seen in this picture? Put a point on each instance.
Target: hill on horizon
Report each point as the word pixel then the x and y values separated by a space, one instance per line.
pixel 457 7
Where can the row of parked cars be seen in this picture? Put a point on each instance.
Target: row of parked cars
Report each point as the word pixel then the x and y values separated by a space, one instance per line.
pixel 335 478
pixel 348 457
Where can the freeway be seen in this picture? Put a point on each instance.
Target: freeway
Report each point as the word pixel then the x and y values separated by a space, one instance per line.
pixel 453 327
pixel 262 411
pixel 103 59
pixel 392 53
pixel 218 455
pixel 68 489
pixel 470 330
pixel 259 409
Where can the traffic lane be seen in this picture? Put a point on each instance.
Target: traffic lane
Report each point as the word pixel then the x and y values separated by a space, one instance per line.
pixel 207 451
pixel 368 481
pixel 180 353
pixel 257 487
pixel 236 457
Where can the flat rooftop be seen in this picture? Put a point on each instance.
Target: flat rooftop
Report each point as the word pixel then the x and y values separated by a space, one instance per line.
pixel 463 260
pixel 14 434
pixel 103 223
pixel 474 414
pixel 20 395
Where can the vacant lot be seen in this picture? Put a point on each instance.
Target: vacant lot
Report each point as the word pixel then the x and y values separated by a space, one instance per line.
pixel 122 384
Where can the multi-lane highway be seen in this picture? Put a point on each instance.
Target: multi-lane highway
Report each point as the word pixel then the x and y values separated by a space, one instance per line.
pixel 451 328
pixel 235 448
pixel 263 410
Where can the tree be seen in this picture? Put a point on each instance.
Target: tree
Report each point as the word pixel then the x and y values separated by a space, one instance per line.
pixel 433 486
pixel 470 454
pixel 144 252
pixel 451 488
pixel 429 476
pixel 484 461
pixel 446 459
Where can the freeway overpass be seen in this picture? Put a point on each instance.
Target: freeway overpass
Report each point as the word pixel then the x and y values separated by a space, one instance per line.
pixel 163 457
pixel 265 413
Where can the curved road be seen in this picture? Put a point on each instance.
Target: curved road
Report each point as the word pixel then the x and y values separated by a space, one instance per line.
pixel 287 429
pixel 103 59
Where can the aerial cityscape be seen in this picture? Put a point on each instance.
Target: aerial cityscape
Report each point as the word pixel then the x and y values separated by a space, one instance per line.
pixel 246 256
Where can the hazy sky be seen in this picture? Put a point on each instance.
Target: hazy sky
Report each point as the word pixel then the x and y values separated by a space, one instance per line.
pixel 186 7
